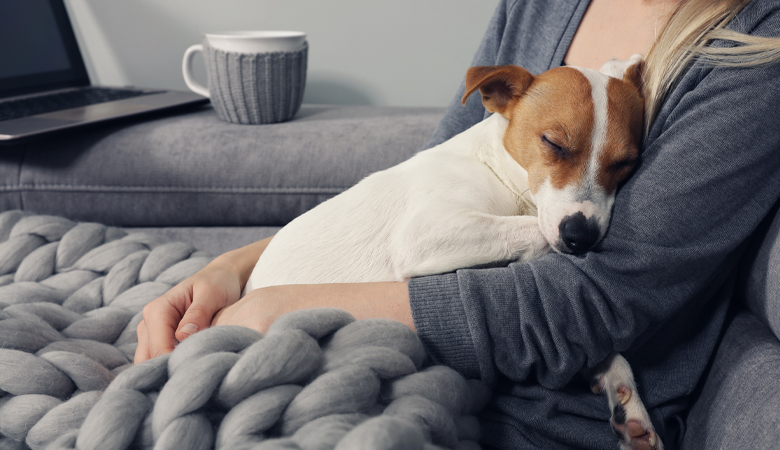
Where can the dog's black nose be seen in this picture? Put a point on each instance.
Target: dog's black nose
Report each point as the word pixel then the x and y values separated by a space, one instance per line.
pixel 578 233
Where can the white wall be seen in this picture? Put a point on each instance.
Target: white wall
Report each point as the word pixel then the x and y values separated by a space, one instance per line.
pixel 398 52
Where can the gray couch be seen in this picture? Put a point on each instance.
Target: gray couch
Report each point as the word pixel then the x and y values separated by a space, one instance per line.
pixel 193 178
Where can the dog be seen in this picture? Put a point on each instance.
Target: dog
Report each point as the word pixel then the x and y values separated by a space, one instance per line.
pixel 538 175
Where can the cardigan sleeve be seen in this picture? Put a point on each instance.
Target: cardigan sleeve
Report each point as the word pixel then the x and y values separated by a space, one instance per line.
pixel 709 173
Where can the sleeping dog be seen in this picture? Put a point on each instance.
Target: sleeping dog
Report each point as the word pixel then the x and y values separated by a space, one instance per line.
pixel 538 175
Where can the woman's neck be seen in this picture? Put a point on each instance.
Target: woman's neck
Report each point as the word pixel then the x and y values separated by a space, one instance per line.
pixel 617 29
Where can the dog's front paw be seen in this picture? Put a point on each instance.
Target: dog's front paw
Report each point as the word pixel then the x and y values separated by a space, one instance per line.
pixel 630 420
pixel 530 243
pixel 631 423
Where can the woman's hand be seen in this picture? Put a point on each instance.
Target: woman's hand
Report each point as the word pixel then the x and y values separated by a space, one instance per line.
pixel 261 307
pixel 190 306
pixel 184 310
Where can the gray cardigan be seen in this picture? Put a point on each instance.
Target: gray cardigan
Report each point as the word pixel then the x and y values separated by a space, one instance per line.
pixel 657 288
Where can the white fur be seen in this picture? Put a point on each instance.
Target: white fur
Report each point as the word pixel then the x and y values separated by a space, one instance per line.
pixel 616 68
pixel 460 204
pixel 598 138
pixel 456 205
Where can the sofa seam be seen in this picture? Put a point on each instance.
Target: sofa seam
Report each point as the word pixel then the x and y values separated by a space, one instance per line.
pixel 219 189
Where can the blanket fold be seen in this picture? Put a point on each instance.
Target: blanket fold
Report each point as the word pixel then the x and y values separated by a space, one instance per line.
pixel 71 296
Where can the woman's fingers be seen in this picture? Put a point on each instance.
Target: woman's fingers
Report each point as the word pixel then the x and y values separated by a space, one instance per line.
pixel 207 299
pixel 160 319
pixel 190 306
pixel 142 351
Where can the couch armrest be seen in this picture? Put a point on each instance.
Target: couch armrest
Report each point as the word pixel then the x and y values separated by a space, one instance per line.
pixel 195 170
pixel 739 406
pixel 760 279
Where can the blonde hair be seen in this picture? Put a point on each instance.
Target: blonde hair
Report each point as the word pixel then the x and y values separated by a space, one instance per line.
pixel 684 40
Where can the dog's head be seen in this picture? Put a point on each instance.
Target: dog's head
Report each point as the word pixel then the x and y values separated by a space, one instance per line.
pixel 578 134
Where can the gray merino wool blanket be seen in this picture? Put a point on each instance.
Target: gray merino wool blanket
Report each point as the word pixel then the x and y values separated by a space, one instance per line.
pixel 71 296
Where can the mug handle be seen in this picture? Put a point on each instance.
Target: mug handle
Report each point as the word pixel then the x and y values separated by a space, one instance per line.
pixel 186 69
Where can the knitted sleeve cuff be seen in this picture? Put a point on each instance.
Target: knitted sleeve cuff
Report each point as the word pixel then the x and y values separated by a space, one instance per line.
pixel 441 323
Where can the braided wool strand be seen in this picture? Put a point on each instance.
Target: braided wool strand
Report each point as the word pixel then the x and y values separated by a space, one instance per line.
pixel 71 296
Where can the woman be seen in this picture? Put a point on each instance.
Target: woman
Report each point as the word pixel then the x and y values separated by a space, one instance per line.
pixel 658 286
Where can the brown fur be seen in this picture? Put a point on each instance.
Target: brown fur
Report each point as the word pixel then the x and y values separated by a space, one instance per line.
pixel 558 105
pixel 626 112
pixel 500 86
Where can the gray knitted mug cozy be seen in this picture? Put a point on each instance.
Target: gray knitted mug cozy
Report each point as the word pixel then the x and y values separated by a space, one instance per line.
pixel 256 88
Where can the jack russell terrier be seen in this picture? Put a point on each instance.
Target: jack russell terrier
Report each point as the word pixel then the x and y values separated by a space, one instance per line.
pixel 539 174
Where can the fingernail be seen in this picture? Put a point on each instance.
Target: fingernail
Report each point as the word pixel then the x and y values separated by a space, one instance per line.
pixel 189 329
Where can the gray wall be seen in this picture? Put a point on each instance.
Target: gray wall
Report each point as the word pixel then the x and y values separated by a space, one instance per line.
pixel 398 52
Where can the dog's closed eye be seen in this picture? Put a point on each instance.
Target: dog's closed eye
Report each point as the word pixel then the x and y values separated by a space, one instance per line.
pixel 558 150
pixel 624 164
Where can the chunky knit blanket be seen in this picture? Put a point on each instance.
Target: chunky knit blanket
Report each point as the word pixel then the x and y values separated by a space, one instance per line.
pixel 71 296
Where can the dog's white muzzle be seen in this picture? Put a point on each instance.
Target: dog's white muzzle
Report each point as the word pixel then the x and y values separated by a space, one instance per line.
pixel 570 223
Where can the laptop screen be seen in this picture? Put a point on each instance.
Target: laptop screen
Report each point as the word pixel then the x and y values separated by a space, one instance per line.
pixel 38 49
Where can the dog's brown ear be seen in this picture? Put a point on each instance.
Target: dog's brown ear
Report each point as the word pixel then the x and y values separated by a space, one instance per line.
pixel 500 86
pixel 633 75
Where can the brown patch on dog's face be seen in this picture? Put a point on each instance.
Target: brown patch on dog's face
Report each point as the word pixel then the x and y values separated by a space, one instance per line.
pixel 624 134
pixel 550 134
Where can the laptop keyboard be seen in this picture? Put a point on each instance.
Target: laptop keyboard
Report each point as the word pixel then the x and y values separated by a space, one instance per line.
pixel 13 109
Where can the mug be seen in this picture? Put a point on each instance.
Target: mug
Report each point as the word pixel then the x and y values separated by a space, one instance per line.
pixel 254 77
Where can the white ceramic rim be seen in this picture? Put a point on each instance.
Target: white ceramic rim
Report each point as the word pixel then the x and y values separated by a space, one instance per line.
pixel 257 34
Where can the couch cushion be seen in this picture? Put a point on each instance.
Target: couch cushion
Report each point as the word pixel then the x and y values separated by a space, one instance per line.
pixel 196 170
pixel 762 275
pixel 738 407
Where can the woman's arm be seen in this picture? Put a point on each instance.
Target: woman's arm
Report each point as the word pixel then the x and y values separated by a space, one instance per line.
pixel 190 306
pixel 261 307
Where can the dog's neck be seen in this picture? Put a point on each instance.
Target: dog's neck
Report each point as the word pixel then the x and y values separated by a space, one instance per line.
pixel 485 141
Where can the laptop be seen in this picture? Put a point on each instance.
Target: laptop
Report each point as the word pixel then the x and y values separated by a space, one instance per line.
pixel 44 86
